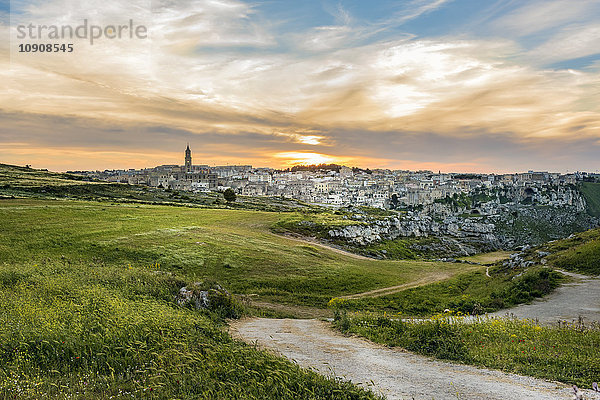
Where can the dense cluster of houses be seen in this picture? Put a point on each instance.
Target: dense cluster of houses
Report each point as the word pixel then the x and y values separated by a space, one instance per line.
pixel 341 186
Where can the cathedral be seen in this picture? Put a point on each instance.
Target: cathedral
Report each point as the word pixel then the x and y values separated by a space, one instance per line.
pixel 193 177
pixel 187 177
pixel 188 159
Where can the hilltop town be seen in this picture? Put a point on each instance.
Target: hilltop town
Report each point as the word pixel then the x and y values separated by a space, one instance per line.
pixel 341 186
pixel 439 213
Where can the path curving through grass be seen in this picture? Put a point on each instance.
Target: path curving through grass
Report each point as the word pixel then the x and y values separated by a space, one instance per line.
pixel 391 372
pixel 579 298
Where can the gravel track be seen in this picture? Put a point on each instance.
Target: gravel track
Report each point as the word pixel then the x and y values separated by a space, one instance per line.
pixel 567 303
pixel 315 242
pixel 393 373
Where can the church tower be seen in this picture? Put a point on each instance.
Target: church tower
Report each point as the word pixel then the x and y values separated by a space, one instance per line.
pixel 188 159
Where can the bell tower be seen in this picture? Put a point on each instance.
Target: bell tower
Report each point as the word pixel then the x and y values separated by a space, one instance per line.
pixel 188 159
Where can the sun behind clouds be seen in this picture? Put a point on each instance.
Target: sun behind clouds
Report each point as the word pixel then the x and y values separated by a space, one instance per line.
pixel 297 157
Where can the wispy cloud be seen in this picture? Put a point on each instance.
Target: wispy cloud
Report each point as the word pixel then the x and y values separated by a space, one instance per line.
pixel 417 8
pixel 541 15
pixel 575 41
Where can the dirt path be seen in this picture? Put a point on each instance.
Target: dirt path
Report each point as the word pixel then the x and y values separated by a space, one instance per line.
pixel 290 310
pixel 438 276
pixel 376 292
pixel 308 241
pixel 395 374
pixel 578 298
pixel 488 258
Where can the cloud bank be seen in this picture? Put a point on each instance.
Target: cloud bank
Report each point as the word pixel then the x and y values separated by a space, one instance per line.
pixel 241 87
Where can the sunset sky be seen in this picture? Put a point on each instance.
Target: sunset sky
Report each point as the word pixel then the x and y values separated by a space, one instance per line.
pixel 463 85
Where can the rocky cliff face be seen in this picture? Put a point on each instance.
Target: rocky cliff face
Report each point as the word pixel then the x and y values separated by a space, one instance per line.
pixel 412 226
pixel 494 226
pixel 457 237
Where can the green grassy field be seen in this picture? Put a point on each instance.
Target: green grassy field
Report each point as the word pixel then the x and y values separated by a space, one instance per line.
pixel 581 253
pixel 470 293
pixel 71 330
pixel 87 304
pixel 591 193
pixel 233 247
pixel 488 258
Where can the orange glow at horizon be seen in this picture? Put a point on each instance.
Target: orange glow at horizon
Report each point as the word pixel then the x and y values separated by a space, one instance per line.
pixel 77 158
pixel 296 157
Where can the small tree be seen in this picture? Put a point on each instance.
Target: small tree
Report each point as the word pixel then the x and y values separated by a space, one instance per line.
pixel 394 201
pixel 229 195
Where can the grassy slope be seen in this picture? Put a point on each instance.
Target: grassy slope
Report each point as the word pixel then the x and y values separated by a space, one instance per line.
pixel 566 353
pixel 469 293
pixel 12 176
pixel 86 330
pixel 488 258
pixel 233 247
pixel 581 253
pixel 591 193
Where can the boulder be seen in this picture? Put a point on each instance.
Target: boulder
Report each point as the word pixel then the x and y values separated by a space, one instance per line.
pixel 203 295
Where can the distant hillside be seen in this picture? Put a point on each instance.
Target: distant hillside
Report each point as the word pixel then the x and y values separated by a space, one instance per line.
pixel 12 176
pixel 23 182
pixel 591 193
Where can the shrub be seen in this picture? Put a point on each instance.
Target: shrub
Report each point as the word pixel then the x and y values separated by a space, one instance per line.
pixel 437 338
pixel 229 195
